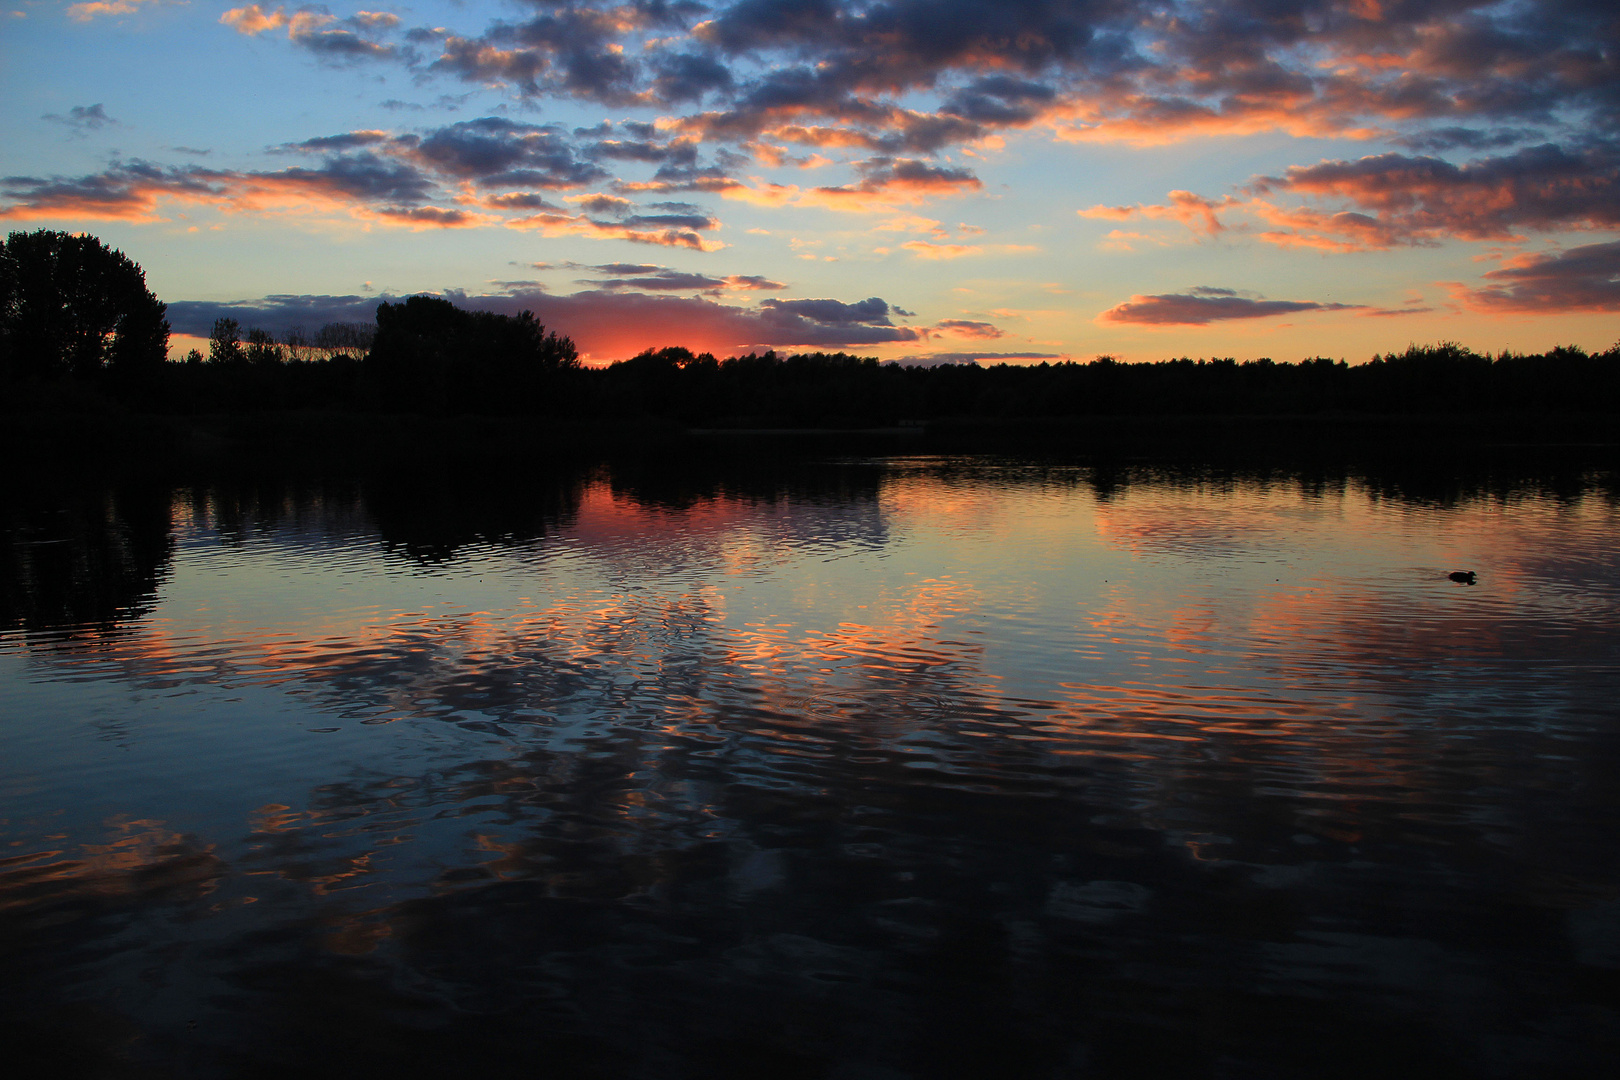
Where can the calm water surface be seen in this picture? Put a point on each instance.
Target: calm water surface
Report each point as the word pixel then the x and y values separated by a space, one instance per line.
pixel 866 769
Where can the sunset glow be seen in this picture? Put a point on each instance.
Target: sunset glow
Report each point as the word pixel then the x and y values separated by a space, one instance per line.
pixel 1038 179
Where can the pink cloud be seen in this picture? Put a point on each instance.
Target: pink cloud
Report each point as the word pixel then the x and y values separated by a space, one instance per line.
pixel 1580 279
pixel 967 328
pixel 1194 211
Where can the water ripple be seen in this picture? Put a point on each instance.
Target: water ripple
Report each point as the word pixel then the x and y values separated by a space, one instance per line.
pixel 911 729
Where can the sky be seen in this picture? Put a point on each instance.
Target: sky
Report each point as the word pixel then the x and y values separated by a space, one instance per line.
pixel 920 180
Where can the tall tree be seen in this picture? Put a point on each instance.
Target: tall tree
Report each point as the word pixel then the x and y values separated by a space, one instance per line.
pixel 71 305
pixel 225 342
pixel 430 353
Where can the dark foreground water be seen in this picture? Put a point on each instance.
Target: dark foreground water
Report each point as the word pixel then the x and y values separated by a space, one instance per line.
pixel 909 768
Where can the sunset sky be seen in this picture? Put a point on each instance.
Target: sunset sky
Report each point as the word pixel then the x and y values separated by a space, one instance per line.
pixel 932 179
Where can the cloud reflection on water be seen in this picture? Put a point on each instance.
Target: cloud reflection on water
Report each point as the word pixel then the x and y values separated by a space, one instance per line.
pixel 888 745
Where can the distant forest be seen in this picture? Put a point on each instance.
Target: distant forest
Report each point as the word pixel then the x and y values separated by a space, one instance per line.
pixel 63 343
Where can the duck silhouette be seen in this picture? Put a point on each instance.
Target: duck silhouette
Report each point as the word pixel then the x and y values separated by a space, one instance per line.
pixel 1462 577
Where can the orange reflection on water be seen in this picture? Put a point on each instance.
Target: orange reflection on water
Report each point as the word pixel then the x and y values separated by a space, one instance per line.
pixel 1255 640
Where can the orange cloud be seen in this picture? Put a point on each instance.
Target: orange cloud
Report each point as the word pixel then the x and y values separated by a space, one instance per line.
pixel 1193 211
pixel 87 11
pixel 1404 199
pixel 924 250
pixel 1305 227
pixel 967 328
pixel 360 186
pixel 912 223
pixel 1391 200
pixel 129 192
pixel 1144 120
pixel 1581 279
pixel 253 19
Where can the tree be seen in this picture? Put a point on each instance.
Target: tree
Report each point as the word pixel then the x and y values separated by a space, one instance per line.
pixel 299 347
pixel 345 337
pixel 72 306
pixel 428 352
pixel 225 342
pixel 262 348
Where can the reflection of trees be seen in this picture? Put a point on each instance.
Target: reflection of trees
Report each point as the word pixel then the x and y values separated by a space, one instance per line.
pixel 427 511
pixel 82 560
pixel 681 484
pixel 1455 482
pixel 298 510
pixel 87 558
pixel 1460 485
pixel 431 512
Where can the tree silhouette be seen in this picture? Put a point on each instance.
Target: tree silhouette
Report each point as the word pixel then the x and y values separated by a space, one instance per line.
pixel 262 348
pixel 430 353
pixel 72 306
pixel 225 342
pixel 352 338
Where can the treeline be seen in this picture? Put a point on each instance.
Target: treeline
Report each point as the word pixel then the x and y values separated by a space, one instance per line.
pixel 821 389
pixel 427 356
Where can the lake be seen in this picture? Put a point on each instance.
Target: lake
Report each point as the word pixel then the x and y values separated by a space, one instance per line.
pixel 867 768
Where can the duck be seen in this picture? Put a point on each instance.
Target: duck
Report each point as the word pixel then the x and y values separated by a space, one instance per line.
pixel 1462 577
